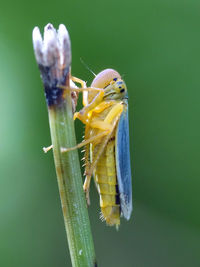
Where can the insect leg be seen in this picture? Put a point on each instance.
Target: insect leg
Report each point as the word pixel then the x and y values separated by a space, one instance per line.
pixel 86 185
pixel 114 112
pixel 77 80
pixel 46 149
pixel 87 89
pixel 84 143
pixel 107 123
pixel 83 85
pixel 96 105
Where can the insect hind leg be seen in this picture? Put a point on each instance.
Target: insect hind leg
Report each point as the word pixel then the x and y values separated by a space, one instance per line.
pixel 47 149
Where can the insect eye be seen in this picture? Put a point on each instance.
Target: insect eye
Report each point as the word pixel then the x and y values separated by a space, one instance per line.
pixel 122 90
pixel 115 79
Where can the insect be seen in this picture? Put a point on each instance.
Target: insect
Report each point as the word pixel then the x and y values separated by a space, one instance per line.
pixel 107 156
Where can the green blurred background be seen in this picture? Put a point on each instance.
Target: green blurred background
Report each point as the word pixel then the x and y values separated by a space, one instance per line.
pixel 155 45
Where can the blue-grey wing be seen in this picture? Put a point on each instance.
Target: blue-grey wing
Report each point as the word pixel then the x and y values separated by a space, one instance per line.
pixel 123 165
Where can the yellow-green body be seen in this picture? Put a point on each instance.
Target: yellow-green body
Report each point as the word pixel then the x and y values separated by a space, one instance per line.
pixel 104 103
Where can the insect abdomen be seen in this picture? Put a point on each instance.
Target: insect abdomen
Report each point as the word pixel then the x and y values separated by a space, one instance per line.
pixel 105 177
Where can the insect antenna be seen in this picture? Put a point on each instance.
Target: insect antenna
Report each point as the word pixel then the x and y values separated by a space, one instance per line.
pixel 86 66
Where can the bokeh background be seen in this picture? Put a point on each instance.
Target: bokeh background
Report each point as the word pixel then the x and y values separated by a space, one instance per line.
pixel 155 45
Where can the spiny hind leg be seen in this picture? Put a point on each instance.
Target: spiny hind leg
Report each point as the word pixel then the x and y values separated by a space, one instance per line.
pixel 86 188
pixel 89 169
pixel 84 143
pixel 86 185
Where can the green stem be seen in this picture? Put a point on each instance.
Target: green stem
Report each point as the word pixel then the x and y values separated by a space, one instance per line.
pixel 53 55
pixel 70 185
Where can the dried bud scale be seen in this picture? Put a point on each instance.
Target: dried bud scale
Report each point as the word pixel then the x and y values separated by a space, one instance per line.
pixel 53 55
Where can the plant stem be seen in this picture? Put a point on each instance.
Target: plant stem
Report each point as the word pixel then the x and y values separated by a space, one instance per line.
pixel 61 122
pixel 70 185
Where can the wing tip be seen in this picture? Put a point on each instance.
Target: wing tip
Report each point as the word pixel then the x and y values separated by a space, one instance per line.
pixel 126 208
